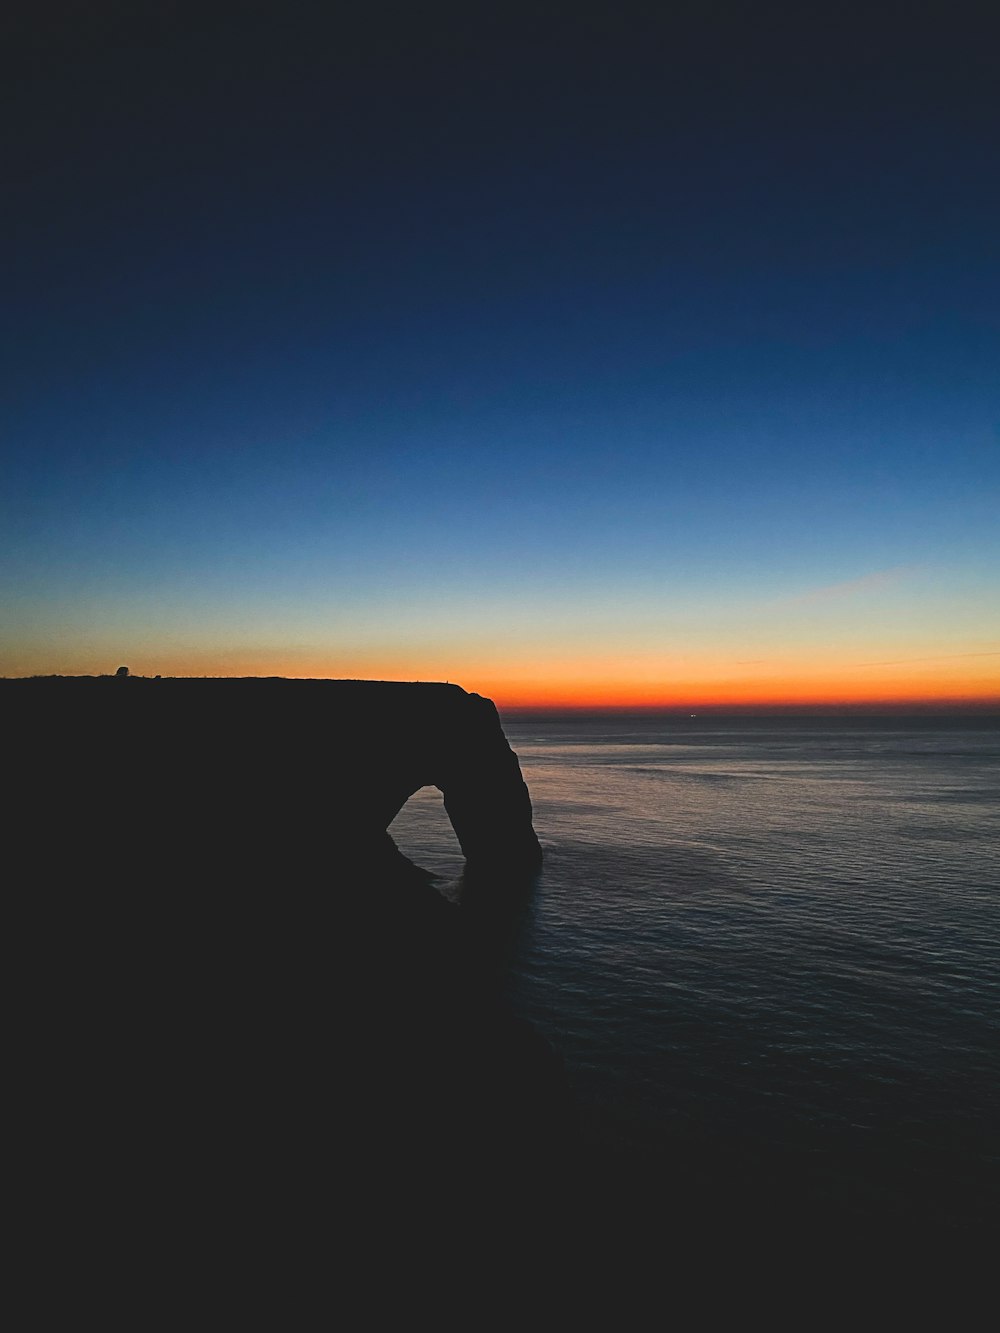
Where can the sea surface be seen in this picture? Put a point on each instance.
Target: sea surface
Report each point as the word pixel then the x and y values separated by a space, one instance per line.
pixel 769 940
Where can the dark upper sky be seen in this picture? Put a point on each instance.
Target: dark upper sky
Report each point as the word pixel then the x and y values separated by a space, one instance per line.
pixel 251 182
pixel 261 253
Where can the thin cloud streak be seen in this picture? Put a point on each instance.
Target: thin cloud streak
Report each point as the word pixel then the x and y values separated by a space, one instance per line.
pixel 883 578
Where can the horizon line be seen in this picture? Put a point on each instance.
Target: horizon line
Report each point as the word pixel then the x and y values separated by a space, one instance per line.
pixel 692 704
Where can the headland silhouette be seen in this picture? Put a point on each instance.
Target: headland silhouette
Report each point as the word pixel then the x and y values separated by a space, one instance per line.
pixel 248 998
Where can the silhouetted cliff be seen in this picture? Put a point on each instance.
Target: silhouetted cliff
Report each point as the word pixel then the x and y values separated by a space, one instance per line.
pixel 259 777
pixel 244 995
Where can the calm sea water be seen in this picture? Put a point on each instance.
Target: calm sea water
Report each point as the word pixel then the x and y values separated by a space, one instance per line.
pixel 772 938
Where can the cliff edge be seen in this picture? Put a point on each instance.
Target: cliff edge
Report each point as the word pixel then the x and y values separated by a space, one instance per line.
pixel 255 777
pixel 241 1002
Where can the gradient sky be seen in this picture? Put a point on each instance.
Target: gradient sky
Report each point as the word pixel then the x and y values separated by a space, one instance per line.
pixel 647 354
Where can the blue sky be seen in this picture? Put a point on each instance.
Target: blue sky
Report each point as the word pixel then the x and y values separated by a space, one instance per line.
pixel 455 345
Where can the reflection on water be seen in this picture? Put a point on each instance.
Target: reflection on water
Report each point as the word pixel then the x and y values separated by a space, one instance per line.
pixel 780 937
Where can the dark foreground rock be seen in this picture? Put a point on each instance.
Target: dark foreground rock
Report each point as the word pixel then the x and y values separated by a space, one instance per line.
pixel 282 778
pixel 243 1007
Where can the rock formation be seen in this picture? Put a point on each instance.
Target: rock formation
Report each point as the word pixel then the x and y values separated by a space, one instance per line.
pixel 253 777
pixel 246 1002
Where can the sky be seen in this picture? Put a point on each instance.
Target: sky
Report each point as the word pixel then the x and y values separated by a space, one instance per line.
pixel 615 354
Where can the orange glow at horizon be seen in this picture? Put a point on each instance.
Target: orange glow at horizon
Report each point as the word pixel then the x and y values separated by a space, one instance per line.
pixel 611 682
pixel 975 679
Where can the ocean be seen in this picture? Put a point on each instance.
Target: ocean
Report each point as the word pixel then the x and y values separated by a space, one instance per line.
pixel 768 942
